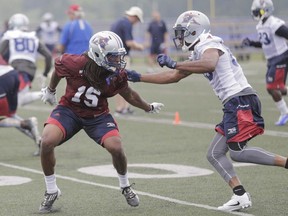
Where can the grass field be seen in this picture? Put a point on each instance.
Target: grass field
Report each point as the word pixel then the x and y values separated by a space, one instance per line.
pixel 149 140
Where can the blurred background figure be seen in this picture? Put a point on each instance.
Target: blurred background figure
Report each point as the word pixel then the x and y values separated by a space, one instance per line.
pixel 49 32
pixel 5 28
pixel 157 39
pixel 20 48
pixel 124 27
pixel 273 35
pixel 9 85
pixel 76 33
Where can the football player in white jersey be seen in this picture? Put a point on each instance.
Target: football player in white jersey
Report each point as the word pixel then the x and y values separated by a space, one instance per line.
pixel 49 32
pixel 22 47
pixel 272 35
pixel 242 118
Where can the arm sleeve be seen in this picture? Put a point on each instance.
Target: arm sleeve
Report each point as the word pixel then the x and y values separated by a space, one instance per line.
pixel 282 31
pixel 256 44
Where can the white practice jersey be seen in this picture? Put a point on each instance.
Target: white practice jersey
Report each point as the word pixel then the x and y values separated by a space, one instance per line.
pixel 228 78
pixel 22 45
pixel 272 44
pixel 49 33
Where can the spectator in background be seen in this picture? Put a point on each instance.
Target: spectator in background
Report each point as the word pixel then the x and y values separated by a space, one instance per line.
pixel 124 27
pixel 157 39
pixel 273 35
pixel 5 28
pixel 75 33
pixel 49 31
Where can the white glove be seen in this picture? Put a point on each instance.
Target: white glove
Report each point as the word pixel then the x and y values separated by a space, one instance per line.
pixel 41 80
pixel 48 96
pixel 155 107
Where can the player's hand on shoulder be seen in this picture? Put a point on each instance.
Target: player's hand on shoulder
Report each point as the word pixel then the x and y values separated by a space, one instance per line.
pixel 155 107
pixel 133 76
pixel 164 60
pixel 49 96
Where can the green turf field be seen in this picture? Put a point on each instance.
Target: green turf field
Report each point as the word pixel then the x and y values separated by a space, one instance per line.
pixel 150 141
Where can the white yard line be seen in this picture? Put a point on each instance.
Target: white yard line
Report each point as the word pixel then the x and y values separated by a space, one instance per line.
pixel 181 202
pixel 169 121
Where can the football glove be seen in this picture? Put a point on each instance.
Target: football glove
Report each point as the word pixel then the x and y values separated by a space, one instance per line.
pixel 49 96
pixel 246 42
pixel 133 76
pixel 155 107
pixel 165 60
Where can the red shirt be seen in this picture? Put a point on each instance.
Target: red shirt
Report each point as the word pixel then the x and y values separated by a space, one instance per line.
pixel 84 100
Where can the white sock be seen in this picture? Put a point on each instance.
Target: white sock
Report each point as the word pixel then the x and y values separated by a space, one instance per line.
pixel 123 180
pixel 51 184
pixel 282 106
pixel 10 122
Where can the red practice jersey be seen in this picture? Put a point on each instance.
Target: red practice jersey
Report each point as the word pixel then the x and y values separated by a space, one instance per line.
pixel 83 99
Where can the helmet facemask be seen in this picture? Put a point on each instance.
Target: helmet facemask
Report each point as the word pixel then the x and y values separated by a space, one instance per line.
pixel 261 9
pixel 115 61
pixel 188 28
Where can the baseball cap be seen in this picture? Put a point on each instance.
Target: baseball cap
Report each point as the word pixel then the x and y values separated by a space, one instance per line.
pixel 74 8
pixel 135 11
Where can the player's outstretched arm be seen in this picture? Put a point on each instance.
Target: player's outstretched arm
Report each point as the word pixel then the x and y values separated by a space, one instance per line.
pixel 136 100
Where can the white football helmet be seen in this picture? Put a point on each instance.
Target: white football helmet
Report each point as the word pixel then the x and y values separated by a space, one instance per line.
pixel 107 50
pixel 18 21
pixel 261 9
pixel 47 17
pixel 189 26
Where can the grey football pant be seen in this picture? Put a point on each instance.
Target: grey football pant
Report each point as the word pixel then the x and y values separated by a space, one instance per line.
pixel 218 149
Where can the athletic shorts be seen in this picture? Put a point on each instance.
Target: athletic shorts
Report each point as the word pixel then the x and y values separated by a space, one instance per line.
pixel 242 119
pixel 98 128
pixel 9 84
pixel 25 80
pixel 276 74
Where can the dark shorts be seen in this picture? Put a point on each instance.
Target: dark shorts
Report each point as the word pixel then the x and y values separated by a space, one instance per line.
pixel 242 119
pixel 25 80
pixel 98 128
pixel 9 84
pixel 277 73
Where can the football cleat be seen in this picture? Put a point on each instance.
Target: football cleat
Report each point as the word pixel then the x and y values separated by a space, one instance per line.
pixel 38 149
pixel 49 199
pixel 130 196
pixel 283 119
pixel 237 203
pixel 31 124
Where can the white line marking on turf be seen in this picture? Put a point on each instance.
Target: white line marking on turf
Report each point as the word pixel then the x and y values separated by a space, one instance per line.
pixel 164 121
pixel 117 188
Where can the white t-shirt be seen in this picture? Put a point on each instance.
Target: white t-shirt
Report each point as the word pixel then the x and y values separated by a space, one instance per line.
pixel 49 33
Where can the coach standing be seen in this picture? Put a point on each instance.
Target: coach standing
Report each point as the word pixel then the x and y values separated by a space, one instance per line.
pixel 76 33
pixel 123 27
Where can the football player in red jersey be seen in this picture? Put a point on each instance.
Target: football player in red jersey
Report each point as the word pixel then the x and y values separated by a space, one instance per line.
pixel 91 78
